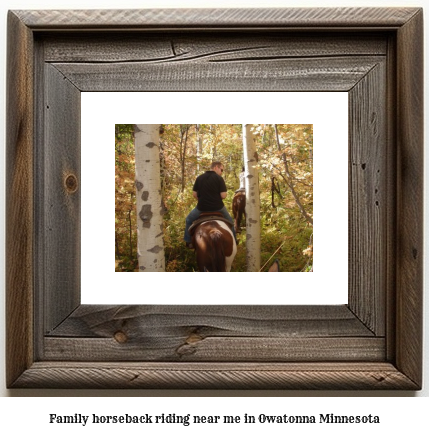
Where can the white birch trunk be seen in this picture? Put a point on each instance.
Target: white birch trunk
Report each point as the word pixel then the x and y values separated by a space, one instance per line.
pixel 198 146
pixel 150 245
pixel 253 222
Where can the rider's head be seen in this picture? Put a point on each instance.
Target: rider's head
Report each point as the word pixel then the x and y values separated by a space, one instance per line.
pixel 217 167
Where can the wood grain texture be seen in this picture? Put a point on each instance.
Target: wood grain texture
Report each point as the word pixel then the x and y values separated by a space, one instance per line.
pixel 209 18
pixel 209 47
pixel 61 205
pixel 193 348
pixel 368 202
pixel 111 375
pixel 334 347
pixel 99 321
pixel 213 333
pixel 391 193
pixel 409 278
pixel 19 200
pixel 303 74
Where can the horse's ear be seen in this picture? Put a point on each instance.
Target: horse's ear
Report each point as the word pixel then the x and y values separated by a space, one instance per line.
pixel 275 267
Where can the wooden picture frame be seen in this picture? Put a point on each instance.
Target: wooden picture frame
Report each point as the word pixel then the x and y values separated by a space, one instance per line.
pixel 373 342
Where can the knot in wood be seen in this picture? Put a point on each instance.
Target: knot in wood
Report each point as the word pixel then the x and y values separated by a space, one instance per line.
pixel 70 183
pixel 120 337
pixel 193 338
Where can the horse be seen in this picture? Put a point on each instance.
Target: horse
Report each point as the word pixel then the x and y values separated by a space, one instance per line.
pixel 238 209
pixel 214 243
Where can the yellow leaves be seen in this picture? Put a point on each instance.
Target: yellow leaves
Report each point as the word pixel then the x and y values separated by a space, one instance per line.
pixel 122 158
pixel 258 129
pixel 289 204
pixel 124 176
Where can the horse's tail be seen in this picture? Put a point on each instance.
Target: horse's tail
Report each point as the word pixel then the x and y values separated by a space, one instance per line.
pixel 238 205
pixel 217 251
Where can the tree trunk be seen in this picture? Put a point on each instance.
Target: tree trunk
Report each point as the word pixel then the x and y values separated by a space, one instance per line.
pixel 150 245
pixel 253 222
pixel 198 146
pixel 184 130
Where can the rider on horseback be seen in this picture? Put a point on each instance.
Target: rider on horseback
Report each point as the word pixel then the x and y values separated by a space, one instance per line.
pixel 239 202
pixel 209 189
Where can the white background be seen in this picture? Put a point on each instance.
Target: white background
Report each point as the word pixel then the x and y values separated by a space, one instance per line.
pixel 16 414
pixel 327 111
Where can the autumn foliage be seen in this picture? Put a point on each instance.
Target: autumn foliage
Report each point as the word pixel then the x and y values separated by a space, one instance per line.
pixel 285 165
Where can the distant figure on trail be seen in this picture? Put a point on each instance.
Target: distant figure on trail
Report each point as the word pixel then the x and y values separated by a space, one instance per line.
pixel 242 178
pixel 209 189
pixel 239 203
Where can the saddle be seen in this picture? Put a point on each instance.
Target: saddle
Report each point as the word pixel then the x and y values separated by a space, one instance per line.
pixel 208 216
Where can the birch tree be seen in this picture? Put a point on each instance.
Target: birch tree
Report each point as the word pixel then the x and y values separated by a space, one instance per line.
pixel 253 222
pixel 184 133
pixel 150 245
pixel 198 146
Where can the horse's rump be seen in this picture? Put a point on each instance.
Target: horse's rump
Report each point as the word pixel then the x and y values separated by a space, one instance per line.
pixel 214 245
pixel 208 216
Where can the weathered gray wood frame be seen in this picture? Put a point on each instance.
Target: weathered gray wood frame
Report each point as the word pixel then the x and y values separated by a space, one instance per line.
pixel 373 342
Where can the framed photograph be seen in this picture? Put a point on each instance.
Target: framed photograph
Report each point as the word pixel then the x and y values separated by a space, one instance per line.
pixel 57 59
pixel 285 232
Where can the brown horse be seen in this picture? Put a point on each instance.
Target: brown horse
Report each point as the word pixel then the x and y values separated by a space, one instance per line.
pixel 214 244
pixel 238 209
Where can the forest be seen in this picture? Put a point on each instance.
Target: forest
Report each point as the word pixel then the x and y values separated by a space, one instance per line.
pixel 284 164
